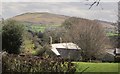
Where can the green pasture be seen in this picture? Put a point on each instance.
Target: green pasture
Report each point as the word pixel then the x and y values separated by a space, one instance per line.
pixel 37 28
pixel 112 34
pixel 96 67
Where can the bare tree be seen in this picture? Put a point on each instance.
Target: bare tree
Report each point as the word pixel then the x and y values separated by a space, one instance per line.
pixel 97 2
pixel 88 35
pixel 94 3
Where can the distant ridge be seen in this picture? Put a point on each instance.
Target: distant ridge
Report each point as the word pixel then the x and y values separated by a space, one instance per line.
pixel 40 18
pixel 46 18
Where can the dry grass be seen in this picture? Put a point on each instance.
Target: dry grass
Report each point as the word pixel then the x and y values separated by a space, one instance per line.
pixel 44 18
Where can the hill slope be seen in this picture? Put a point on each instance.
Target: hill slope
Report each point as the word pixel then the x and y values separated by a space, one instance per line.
pixel 45 18
pixel 40 18
pixel 109 26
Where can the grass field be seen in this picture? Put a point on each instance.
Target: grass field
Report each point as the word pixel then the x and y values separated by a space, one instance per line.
pixel 96 67
pixel 112 34
pixel 37 28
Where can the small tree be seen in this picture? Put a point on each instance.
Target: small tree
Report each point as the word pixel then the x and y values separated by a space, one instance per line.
pixel 12 36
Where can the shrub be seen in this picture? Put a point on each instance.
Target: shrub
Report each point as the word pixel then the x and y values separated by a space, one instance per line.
pixel 56 34
pixel 12 63
pixel 12 36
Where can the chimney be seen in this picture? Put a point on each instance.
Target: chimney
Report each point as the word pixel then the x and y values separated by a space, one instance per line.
pixel 60 40
pixel 50 39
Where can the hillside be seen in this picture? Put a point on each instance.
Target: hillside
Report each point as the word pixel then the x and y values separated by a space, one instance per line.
pixel 109 26
pixel 44 18
pixel 40 18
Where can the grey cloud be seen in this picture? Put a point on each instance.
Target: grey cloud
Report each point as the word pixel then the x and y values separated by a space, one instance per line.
pixel 79 9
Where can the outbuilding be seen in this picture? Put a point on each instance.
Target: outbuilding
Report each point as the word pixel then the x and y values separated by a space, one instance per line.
pixel 67 51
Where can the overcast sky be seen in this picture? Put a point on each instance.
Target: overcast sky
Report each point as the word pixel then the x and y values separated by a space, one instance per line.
pixel 105 11
pixel 57 0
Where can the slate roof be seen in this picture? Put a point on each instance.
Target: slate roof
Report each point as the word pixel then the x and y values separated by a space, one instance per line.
pixel 66 46
pixel 113 52
pixel 110 51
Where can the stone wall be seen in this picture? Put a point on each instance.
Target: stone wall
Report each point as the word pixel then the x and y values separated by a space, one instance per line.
pixel 71 54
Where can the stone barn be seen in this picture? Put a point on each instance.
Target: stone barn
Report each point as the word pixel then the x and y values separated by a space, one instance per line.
pixel 109 56
pixel 68 51
pixel 112 55
pixel 117 55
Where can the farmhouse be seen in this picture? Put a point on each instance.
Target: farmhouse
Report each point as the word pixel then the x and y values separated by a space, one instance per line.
pixel 67 51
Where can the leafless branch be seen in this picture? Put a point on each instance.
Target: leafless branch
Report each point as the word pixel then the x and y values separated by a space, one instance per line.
pixel 96 2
